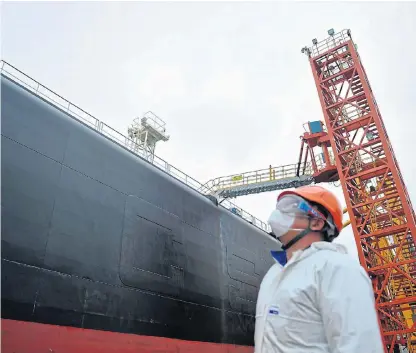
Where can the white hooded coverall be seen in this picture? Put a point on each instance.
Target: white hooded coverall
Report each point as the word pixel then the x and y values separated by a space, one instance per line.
pixel 321 301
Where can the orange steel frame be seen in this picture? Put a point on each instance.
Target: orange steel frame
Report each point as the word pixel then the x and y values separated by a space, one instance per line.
pixel 380 210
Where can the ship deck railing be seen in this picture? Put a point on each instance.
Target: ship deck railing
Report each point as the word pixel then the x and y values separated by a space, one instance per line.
pixel 102 128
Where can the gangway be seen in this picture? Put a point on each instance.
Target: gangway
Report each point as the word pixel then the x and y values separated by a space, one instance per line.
pixel 312 167
pixel 263 180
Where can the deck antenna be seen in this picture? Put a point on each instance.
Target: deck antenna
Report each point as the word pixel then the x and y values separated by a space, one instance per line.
pixel 144 133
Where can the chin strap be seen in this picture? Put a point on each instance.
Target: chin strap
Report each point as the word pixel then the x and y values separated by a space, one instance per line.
pixel 306 231
pixel 296 239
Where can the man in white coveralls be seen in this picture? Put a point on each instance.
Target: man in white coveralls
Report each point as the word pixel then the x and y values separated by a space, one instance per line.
pixel 316 298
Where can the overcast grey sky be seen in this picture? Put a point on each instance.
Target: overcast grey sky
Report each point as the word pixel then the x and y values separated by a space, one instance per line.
pixel 228 78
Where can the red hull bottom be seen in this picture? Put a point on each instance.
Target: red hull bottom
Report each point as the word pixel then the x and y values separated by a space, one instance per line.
pixel 30 337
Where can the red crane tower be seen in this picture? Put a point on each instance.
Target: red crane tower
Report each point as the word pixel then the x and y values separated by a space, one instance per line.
pixel 380 210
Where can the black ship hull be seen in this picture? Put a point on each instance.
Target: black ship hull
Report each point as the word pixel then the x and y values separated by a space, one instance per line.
pixel 96 238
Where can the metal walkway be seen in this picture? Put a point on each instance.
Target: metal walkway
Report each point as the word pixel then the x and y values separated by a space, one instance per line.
pixel 270 179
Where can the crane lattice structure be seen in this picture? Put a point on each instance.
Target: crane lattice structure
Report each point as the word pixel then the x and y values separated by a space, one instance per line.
pixel 354 149
pixel 380 210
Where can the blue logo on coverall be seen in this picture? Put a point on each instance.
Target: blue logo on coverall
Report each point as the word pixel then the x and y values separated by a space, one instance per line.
pixel 274 310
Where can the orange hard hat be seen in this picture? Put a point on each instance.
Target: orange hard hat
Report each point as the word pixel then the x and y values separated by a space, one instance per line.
pixel 321 196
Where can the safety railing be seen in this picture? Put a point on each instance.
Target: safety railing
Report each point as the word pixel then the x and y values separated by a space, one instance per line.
pixel 330 43
pixel 117 137
pixel 150 119
pixel 321 163
pixel 156 122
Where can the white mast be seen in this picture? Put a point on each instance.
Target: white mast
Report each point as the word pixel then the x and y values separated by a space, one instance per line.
pixel 145 132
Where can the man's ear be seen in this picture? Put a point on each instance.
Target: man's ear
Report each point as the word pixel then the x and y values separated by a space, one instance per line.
pixel 317 224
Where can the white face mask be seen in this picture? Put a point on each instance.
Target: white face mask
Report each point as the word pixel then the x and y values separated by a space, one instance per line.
pixel 281 223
